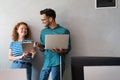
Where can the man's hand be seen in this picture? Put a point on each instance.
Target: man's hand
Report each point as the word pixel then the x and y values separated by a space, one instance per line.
pixel 36 44
pixel 41 47
pixel 61 51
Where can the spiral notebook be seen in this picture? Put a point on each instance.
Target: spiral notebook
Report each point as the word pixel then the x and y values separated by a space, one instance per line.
pixel 26 46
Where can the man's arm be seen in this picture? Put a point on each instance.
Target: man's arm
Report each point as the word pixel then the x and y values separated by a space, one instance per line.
pixel 41 47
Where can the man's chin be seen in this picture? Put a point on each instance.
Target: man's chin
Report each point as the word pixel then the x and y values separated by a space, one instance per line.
pixel 46 25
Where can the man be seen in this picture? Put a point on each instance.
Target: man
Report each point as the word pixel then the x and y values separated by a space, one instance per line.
pixel 52 57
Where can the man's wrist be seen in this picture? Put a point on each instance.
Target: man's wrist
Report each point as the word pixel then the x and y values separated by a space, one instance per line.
pixel 41 47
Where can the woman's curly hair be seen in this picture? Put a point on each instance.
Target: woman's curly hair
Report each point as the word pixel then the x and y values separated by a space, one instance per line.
pixel 15 34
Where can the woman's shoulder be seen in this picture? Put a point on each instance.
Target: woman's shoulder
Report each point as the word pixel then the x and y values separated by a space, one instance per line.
pixel 14 42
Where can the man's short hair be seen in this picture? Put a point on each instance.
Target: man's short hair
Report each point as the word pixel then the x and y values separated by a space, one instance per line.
pixel 48 12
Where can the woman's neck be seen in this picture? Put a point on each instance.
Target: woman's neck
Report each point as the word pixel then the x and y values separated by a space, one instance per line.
pixel 21 38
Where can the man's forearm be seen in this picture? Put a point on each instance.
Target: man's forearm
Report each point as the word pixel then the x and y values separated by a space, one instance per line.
pixel 41 48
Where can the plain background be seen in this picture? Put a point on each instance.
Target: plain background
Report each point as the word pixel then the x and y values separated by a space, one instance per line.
pixel 5 74
pixel 94 32
pixel 101 72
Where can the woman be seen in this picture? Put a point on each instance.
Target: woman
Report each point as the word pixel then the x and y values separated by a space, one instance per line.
pixel 21 33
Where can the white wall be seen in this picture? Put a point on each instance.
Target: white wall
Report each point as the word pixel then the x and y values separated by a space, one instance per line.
pixel 94 32
pixel 101 72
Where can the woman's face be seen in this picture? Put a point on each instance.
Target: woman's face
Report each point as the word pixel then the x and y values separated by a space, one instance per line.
pixel 22 30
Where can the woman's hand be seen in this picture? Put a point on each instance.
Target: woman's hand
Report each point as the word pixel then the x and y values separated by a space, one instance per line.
pixel 32 52
pixel 24 55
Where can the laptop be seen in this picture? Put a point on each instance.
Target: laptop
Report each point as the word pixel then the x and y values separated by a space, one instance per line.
pixel 56 41
pixel 13 74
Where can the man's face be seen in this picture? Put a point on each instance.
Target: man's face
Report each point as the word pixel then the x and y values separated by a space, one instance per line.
pixel 45 20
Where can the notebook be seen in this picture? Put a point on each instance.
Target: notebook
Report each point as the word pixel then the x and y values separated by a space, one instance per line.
pixel 56 41
pixel 26 46
pixel 13 74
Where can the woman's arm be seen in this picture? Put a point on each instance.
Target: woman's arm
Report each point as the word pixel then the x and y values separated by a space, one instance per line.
pixel 12 58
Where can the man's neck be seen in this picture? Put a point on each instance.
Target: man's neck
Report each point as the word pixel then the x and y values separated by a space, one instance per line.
pixel 53 25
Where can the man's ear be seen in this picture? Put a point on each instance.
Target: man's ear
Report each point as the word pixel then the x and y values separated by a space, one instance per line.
pixel 50 19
